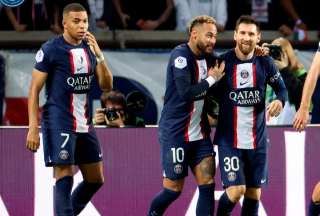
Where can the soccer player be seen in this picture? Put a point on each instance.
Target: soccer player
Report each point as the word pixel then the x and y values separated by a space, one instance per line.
pixel 241 131
pixel 183 128
pixel 302 117
pixel 67 64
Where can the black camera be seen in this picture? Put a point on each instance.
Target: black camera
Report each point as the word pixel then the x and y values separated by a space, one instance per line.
pixel 111 114
pixel 275 51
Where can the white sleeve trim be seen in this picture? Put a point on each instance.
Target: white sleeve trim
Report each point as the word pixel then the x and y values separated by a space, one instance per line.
pixel 211 80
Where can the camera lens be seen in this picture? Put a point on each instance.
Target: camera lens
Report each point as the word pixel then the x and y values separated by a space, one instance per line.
pixel 111 114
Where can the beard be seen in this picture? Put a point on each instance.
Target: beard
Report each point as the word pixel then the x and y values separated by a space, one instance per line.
pixel 246 48
pixel 204 48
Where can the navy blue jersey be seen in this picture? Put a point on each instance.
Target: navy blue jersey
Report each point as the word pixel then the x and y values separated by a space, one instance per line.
pixel 183 117
pixel 70 72
pixel 241 95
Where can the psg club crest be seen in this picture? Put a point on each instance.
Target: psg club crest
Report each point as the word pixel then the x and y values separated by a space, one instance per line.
pixel 11 3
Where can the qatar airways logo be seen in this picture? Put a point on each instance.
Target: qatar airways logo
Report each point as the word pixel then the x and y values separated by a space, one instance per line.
pixel 80 83
pixel 245 97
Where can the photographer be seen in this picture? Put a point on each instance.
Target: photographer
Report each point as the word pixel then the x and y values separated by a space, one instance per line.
pixel 291 69
pixel 114 112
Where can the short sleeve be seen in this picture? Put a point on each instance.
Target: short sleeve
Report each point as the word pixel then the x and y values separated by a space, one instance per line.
pixel 43 60
pixel 179 65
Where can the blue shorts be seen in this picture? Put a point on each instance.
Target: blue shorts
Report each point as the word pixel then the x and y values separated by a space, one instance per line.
pixel 177 156
pixel 64 147
pixel 243 167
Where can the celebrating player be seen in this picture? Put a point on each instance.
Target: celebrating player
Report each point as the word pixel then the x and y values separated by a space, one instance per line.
pixel 241 130
pixel 184 129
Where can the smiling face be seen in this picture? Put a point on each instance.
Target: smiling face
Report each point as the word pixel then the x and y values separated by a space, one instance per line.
pixel 205 37
pixel 247 36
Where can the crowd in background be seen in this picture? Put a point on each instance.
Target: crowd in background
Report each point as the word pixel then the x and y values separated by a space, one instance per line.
pixel 287 16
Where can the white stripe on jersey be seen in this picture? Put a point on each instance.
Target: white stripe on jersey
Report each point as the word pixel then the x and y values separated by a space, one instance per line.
pixel 194 127
pixel 79 101
pixel 245 117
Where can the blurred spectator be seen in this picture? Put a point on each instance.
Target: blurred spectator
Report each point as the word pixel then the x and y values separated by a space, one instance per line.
pixel 186 9
pixel 34 14
pixel 292 71
pixel 134 15
pixel 9 20
pixel 293 74
pixel 300 13
pixel 97 9
pixel 114 112
pixel 269 13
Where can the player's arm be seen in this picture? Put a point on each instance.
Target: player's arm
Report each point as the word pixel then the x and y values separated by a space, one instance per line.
pixel 103 73
pixel 186 89
pixel 276 82
pixel 37 82
pixel 302 115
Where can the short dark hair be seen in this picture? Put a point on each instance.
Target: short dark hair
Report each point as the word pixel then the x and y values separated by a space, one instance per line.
pixel 74 7
pixel 199 20
pixel 247 19
pixel 115 97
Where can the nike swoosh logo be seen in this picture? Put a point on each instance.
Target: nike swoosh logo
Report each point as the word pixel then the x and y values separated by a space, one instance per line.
pixel 100 155
pixel 242 83
pixel 263 181
pixel 80 68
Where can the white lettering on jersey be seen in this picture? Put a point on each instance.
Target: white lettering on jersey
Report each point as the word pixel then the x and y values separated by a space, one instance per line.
pixel 180 62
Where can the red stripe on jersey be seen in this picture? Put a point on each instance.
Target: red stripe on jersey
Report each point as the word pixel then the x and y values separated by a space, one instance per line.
pixel 71 110
pixel 88 60
pixel 235 134
pixel 186 133
pixel 86 114
pixel 254 128
pixel 72 68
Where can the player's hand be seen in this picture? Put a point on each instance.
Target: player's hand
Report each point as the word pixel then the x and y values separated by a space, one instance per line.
pixel 274 108
pixel 99 116
pixel 301 119
pixel 217 72
pixel 33 139
pixel 92 42
pixel 261 50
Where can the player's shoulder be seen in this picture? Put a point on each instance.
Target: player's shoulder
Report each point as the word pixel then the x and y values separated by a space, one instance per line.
pixel 51 44
pixel 180 56
pixel 227 54
pixel 265 60
pixel 181 50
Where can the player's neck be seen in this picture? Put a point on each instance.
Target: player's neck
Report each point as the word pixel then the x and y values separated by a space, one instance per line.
pixel 194 49
pixel 71 40
pixel 240 55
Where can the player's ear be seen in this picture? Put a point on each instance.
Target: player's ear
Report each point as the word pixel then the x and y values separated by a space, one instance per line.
pixel 259 37
pixel 235 35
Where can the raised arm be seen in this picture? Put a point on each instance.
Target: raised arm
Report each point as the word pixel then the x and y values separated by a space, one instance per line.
pixel 103 72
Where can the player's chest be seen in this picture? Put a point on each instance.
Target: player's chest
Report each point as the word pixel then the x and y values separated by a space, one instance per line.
pixel 244 75
pixel 201 70
pixel 74 62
